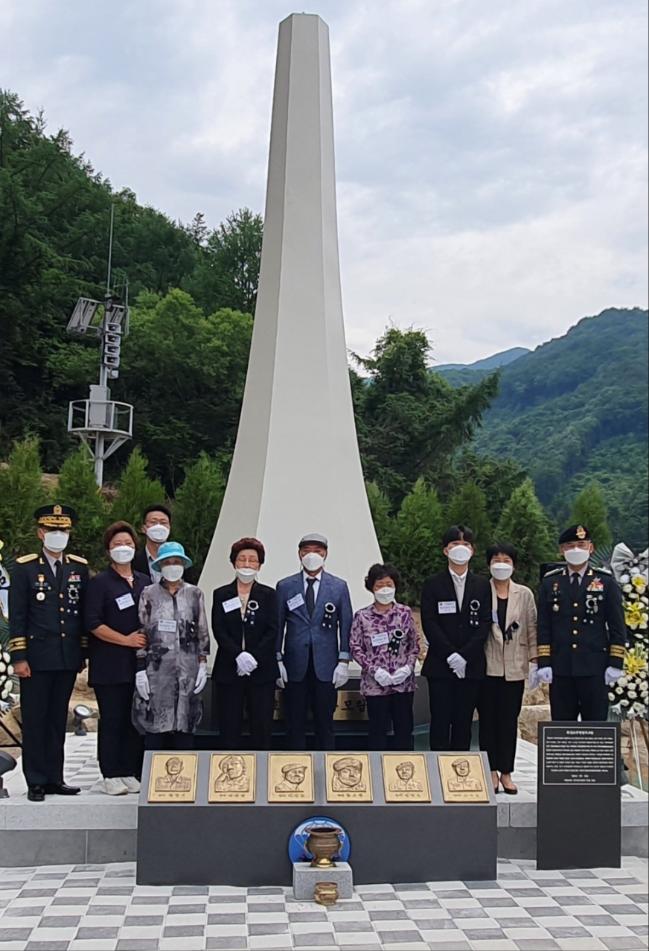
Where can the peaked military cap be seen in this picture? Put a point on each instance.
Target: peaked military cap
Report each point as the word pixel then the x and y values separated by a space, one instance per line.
pixel 55 516
pixel 575 533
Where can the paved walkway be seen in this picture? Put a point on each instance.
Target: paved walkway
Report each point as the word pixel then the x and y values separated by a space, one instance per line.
pixel 100 908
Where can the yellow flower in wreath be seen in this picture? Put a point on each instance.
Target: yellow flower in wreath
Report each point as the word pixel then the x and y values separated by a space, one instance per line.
pixel 634 616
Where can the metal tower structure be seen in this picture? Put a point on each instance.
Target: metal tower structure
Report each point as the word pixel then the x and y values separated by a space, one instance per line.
pixel 101 423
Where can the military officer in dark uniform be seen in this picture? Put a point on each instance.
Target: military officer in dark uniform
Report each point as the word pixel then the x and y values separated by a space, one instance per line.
pixel 581 632
pixel 48 645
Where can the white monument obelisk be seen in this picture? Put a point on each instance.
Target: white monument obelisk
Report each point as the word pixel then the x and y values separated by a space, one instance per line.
pixel 296 466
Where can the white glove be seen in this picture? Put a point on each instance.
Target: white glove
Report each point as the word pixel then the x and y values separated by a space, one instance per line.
pixel 612 674
pixel 246 663
pixel 401 674
pixel 201 677
pixel 532 677
pixel 382 677
pixel 142 685
pixel 544 675
pixel 341 674
pixel 457 664
pixel 282 680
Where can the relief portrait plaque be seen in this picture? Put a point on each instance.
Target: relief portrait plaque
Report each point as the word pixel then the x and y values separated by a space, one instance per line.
pixel 290 777
pixel 405 777
pixel 348 777
pixel 232 777
pixel 462 777
pixel 173 777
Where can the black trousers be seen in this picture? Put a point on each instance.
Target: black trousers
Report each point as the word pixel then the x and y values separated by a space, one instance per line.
pixel 321 697
pixel 169 741
pixel 258 700
pixel 44 701
pixel 572 697
pixel 120 747
pixel 499 705
pixel 452 702
pixel 393 710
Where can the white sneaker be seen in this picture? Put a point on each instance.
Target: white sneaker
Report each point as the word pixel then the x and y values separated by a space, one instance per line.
pixel 113 786
pixel 132 784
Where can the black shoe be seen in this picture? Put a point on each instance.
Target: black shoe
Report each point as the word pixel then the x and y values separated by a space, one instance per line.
pixel 60 789
pixel 36 793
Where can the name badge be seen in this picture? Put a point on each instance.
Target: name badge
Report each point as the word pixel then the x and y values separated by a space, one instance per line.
pixel 380 640
pixel 295 602
pixel 233 604
pixel 125 601
pixel 446 607
pixel 167 626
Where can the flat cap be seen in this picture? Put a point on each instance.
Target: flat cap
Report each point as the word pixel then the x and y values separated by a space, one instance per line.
pixel 575 533
pixel 347 762
pixel 313 538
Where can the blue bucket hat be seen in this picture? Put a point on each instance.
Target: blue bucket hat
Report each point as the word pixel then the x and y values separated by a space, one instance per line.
pixel 171 550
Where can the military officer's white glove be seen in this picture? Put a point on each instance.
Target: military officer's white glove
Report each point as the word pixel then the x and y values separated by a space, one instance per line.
pixel 457 664
pixel 201 677
pixel 401 674
pixel 246 663
pixel 142 685
pixel 282 680
pixel 544 675
pixel 612 674
pixel 532 677
pixel 382 677
pixel 341 674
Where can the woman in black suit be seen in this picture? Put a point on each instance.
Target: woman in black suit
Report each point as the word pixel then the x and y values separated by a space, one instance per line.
pixel 244 624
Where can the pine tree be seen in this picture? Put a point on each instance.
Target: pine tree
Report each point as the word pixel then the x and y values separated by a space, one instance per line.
pixel 77 487
pixel 21 492
pixel 417 534
pixel 468 506
pixel 589 509
pixel 383 521
pixel 197 506
pixel 135 491
pixel 524 523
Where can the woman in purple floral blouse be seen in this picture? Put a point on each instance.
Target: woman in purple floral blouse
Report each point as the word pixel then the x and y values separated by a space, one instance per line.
pixel 384 642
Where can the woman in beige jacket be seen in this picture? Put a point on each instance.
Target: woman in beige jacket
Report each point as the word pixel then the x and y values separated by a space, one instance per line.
pixel 511 657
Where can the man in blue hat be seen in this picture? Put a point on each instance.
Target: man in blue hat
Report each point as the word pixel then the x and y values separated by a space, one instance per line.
pixel 48 645
pixel 581 632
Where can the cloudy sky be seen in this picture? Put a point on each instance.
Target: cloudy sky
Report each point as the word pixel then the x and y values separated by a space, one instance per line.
pixel 491 156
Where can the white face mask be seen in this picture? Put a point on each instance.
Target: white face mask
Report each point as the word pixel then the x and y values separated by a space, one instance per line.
pixel 384 595
pixel 172 572
pixel 56 541
pixel 501 570
pixel 312 561
pixel 460 554
pixel 246 575
pixel 122 554
pixel 576 556
pixel 157 533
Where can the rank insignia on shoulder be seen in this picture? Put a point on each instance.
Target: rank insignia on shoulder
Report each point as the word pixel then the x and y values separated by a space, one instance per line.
pixel 78 558
pixel 604 571
pixel 553 571
pixel 26 558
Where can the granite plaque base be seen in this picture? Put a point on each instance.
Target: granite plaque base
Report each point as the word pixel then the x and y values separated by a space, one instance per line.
pixel 305 879
pixel 246 844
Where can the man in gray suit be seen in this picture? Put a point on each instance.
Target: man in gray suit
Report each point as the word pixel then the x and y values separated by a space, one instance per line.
pixel 315 617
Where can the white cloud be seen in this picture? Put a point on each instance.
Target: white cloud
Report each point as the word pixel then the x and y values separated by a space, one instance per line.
pixel 491 157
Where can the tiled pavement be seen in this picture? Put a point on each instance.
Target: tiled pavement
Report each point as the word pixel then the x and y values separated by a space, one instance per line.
pixel 99 908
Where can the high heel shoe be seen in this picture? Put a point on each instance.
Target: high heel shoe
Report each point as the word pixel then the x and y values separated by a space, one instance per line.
pixel 511 790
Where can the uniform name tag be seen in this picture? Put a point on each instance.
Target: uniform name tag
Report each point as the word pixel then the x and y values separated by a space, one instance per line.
pixel 125 601
pixel 380 640
pixel 167 626
pixel 233 604
pixel 446 607
pixel 295 602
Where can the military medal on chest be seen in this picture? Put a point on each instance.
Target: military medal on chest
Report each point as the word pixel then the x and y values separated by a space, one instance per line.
pixel 74 582
pixel 41 587
pixel 555 597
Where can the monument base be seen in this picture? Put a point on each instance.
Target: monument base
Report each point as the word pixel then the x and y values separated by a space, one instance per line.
pixel 305 879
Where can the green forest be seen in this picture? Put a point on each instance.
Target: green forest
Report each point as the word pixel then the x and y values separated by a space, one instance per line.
pixel 560 432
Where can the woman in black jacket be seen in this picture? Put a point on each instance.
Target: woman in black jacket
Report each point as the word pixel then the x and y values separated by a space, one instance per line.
pixel 244 624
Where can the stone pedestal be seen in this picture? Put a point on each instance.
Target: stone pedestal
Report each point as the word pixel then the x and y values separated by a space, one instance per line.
pixel 305 879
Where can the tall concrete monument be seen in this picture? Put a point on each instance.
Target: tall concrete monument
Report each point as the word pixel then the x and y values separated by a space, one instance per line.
pixel 296 466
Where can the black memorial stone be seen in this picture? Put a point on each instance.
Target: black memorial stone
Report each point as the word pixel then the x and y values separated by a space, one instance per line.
pixel 579 797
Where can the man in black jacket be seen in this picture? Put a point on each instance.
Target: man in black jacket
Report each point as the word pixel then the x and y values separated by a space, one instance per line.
pixel 455 615
pixel 156 528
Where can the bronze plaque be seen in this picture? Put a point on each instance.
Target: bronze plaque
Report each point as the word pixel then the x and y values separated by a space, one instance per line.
pixel 462 777
pixel 350 705
pixel 290 777
pixel 173 777
pixel 348 777
pixel 405 777
pixel 232 777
